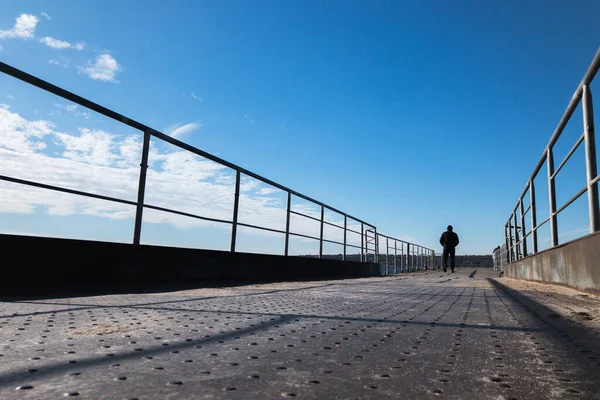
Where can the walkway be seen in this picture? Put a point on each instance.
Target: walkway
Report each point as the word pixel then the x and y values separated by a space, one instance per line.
pixel 422 335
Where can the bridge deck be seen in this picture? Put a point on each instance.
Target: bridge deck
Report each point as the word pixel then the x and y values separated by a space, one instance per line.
pixel 420 335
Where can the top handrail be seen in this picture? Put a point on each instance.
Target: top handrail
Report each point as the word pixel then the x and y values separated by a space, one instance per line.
pixel 49 87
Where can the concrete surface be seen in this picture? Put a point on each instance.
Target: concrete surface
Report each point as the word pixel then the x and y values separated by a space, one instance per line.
pixel 415 336
pixel 575 264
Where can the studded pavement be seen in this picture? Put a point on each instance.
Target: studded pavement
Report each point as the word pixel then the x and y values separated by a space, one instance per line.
pixel 422 335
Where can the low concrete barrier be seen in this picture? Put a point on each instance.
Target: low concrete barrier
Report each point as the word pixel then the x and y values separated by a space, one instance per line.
pixel 35 261
pixel 575 264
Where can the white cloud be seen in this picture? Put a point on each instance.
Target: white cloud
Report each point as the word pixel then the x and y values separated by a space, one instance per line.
pixel 105 68
pixel 177 131
pixel 195 96
pixel 45 16
pixel 61 44
pixel 8 96
pixel 24 28
pixel 248 118
pixel 55 43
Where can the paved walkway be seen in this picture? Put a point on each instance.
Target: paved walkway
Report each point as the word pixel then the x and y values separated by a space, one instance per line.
pixel 423 335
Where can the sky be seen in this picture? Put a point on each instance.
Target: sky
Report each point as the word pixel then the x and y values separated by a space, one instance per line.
pixel 408 115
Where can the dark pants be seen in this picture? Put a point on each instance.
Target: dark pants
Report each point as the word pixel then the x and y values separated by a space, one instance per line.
pixel 445 254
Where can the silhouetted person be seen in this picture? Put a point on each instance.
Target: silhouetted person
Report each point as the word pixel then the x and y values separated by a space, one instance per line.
pixel 449 240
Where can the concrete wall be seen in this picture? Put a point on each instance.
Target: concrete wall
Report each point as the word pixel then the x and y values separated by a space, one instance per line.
pixel 575 264
pixel 35 261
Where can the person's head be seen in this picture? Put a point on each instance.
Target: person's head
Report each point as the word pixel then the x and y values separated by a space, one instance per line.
pixel 449 228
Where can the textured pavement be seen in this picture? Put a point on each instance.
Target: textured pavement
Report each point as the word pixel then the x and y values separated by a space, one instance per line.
pixel 420 335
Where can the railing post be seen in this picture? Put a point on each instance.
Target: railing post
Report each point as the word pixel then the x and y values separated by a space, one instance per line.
pixel 523 230
pixel 533 206
pixel 552 198
pixel 507 242
pixel 387 255
pixel 395 256
pixel 137 229
pixel 345 231
pixel 321 236
pixel 512 241
pixel 236 204
pixel 287 224
pixel 376 239
pixel 362 242
pixel 590 158
pixel 408 257
pixel 517 245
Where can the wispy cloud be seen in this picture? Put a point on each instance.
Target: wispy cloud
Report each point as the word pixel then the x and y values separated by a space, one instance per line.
pixel 73 109
pixel 247 118
pixel 43 14
pixel 8 96
pixel 24 28
pixel 104 68
pixel 179 130
pixel 61 44
pixel 195 96
pixel 64 62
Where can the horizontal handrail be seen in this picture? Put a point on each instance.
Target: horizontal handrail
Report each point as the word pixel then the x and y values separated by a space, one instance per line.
pixel 515 245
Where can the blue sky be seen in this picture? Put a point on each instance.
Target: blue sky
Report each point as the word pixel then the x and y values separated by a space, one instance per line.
pixel 409 115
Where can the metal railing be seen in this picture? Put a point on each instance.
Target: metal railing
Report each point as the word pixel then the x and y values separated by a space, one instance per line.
pixel 515 232
pixel 406 257
pixel 367 232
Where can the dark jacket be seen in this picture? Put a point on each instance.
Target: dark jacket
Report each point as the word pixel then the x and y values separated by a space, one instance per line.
pixel 449 240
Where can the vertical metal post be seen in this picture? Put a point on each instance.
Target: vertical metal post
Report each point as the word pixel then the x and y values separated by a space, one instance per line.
pixel 236 205
pixel 321 236
pixel 512 241
pixel 408 266
pixel 395 256
pixel 137 229
pixel 523 229
pixel 533 206
pixel 387 255
pixel 376 239
pixel 507 242
pixel 362 242
pixel 590 159
pixel 287 223
pixel 345 231
pixel 552 198
pixel 517 245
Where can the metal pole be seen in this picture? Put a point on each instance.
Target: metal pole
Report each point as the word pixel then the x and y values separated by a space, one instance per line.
pixel 362 242
pixel 590 159
pixel 395 256
pixel 376 239
pixel 137 229
pixel 236 204
pixel 408 257
pixel 552 198
pixel 345 231
pixel 287 223
pixel 387 255
pixel 321 237
pixel 516 236
pixel 512 241
pixel 523 230
pixel 532 203
pixel 507 242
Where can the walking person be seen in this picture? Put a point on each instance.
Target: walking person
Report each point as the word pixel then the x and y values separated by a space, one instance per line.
pixel 449 240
